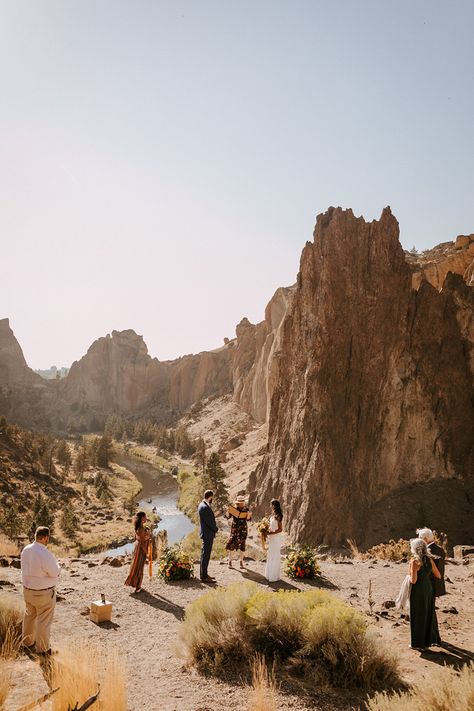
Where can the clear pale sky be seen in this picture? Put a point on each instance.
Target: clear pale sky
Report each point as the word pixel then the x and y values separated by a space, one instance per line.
pixel 162 163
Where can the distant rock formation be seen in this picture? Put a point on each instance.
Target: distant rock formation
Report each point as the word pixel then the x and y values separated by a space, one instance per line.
pixel 14 370
pixel 374 391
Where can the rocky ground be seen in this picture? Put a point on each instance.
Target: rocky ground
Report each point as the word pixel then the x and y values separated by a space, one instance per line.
pixel 145 626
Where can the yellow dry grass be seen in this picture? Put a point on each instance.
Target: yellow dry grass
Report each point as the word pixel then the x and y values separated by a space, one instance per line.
pixel 11 617
pixel 443 691
pixel 5 679
pixel 80 669
pixel 263 694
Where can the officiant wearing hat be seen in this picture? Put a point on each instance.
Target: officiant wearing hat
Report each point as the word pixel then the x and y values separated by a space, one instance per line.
pixel 240 514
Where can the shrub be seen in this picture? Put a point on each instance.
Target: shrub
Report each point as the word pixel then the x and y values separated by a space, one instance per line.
pixel 301 563
pixel 190 494
pixel 11 617
pixel 393 550
pixel 444 691
pixel 175 564
pixel 79 670
pixel 311 632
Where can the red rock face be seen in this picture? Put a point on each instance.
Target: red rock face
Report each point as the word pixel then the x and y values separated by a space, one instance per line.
pixel 374 389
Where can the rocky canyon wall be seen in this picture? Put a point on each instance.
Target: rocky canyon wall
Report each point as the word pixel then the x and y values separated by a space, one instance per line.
pixel 374 392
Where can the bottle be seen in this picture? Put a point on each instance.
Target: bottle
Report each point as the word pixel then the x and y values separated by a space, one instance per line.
pixel 102 597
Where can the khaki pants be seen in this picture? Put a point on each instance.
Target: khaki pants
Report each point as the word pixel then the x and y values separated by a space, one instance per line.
pixel 38 617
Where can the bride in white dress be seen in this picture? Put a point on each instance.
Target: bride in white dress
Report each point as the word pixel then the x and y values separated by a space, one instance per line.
pixel 272 567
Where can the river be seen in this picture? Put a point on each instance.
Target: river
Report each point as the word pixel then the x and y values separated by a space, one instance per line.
pixel 160 489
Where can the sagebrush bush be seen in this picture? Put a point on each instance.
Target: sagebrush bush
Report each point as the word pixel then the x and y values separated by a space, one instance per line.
pixel 79 669
pixel 11 618
pixel 393 550
pixel 443 691
pixel 312 633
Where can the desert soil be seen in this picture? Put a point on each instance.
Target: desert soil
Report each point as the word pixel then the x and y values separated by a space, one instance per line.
pixel 145 628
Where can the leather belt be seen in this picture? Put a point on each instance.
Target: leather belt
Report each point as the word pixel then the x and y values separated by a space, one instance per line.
pixel 39 589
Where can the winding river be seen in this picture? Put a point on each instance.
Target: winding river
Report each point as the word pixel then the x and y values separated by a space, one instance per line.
pixel 159 489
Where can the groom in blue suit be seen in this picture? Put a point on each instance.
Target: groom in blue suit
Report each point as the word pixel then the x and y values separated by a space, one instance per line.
pixel 208 530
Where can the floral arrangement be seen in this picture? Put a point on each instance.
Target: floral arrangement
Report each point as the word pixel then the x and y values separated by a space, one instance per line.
pixel 263 527
pixel 301 562
pixel 175 564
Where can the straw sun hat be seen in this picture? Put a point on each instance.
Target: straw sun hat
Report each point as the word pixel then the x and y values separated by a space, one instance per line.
pixel 240 500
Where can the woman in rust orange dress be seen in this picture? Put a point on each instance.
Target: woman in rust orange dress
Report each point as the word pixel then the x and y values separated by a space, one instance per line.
pixel 142 538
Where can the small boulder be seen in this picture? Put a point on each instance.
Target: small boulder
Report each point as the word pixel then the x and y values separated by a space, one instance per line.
pixel 116 562
pixel 4 563
pixel 451 610
pixel 15 563
pixel 388 604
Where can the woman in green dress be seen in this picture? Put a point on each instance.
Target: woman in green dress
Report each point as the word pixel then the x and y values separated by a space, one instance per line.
pixel 423 622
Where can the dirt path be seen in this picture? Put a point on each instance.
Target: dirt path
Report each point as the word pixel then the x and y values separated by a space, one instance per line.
pixel 144 629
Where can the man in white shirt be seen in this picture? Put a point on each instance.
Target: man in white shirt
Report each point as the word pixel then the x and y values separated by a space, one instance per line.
pixel 39 575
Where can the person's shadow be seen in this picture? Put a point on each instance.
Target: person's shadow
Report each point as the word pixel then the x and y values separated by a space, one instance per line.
pixel 258 578
pixel 160 603
pixel 449 655
pixel 320 581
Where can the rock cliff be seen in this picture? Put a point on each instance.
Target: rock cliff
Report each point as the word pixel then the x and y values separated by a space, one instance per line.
pixel 118 375
pixel 374 391
pixel 256 356
pixel 433 265
pixel 14 370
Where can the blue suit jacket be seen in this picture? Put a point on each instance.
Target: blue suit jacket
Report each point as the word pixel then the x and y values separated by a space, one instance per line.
pixel 207 521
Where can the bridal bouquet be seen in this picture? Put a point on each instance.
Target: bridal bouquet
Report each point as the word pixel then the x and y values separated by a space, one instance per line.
pixel 301 563
pixel 175 564
pixel 263 527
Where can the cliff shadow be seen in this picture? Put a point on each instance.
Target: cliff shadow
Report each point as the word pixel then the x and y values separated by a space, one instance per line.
pixel 444 505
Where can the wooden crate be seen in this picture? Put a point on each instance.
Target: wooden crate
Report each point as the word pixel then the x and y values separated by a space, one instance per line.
pixel 100 611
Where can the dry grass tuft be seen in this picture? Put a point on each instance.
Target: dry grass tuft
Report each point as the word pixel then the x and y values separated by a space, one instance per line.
pixel 355 552
pixel 11 617
pixel 5 680
pixel 79 670
pixel 264 691
pixel 7 547
pixel 312 634
pixel 445 691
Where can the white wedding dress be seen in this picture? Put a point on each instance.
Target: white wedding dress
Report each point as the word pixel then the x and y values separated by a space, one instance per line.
pixel 272 567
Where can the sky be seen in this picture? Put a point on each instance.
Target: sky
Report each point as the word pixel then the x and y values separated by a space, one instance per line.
pixel 162 163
